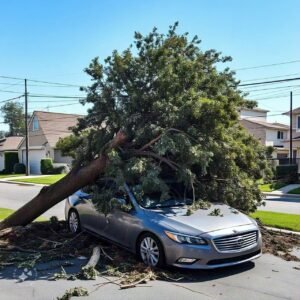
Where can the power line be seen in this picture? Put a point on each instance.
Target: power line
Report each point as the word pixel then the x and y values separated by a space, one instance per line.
pixel 274 88
pixel 269 65
pixel 262 78
pixel 267 98
pixel 11 99
pixel 269 82
pixel 41 81
pixel 55 96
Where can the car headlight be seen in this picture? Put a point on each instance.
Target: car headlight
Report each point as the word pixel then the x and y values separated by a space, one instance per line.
pixel 186 239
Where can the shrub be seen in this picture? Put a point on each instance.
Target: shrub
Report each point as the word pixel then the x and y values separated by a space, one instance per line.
pixel 287 173
pixel 59 170
pixel 46 166
pixel 19 168
pixel 10 159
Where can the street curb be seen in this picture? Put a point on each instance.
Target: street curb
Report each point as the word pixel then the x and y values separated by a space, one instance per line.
pixel 282 230
pixel 22 183
pixel 281 195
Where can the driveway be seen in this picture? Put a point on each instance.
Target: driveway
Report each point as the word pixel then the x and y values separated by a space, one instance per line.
pixel 282 204
pixel 267 278
pixel 14 196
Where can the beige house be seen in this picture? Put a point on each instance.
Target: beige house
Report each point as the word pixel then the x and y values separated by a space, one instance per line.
pixel 269 134
pixel 8 144
pixel 44 131
pixel 295 132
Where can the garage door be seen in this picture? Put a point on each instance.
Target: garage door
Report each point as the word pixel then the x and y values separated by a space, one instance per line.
pixel 35 157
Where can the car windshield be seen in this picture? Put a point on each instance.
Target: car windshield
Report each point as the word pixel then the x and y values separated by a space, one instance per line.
pixel 178 196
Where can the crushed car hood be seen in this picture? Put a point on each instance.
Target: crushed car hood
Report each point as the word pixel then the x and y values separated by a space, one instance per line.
pixel 200 221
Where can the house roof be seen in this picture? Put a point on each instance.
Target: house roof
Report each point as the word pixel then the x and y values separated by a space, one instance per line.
pixel 254 109
pixel 10 143
pixel 268 125
pixel 294 111
pixel 56 125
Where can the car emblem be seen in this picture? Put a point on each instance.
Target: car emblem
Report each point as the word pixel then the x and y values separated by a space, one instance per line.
pixel 240 241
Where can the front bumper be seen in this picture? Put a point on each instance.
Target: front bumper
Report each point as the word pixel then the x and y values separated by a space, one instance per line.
pixel 208 256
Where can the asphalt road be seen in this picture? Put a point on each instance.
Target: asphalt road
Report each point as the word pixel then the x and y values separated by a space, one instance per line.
pixel 14 196
pixel 282 204
pixel 267 278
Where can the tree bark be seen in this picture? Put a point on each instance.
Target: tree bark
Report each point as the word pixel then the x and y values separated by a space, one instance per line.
pixel 49 196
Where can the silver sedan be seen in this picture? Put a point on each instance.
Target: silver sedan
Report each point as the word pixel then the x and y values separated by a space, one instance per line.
pixel 162 233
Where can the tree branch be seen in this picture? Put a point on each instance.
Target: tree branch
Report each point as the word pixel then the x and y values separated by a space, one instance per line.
pixel 174 166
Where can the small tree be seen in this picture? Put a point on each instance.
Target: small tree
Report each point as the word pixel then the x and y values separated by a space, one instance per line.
pixel 14 117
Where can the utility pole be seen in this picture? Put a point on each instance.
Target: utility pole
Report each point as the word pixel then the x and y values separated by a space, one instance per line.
pixel 291 129
pixel 26 130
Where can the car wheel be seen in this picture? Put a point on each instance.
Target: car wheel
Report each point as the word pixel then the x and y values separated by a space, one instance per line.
pixel 74 221
pixel 150 250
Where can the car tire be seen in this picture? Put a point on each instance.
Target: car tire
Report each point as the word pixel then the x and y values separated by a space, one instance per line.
pixel 150 250
pixel 74 225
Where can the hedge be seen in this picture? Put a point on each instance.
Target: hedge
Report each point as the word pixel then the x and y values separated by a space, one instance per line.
pixel 10 159
pixel 287 173
pixel 19 168
pixel 46 166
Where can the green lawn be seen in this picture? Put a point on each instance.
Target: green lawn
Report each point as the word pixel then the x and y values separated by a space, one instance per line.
pixel 10 175
pixel 41 180
pixel 278 220
pixel 294 191
pixel 5 212
pixel 269 187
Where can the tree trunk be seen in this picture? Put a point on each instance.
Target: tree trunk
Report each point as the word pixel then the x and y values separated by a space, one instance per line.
pixel 49 196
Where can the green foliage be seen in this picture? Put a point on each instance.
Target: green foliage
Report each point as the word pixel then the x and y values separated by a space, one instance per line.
pixel 10 159
pixel 2 134
pixel 287 173
pixel 216 212
pixel 68 145
pixel 181 118
pixel 14 117
pixel 19 168
pixel 46 166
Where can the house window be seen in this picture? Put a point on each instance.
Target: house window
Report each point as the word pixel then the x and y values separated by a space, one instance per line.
pixel 280 135
pixel 35 124
pixel 298 122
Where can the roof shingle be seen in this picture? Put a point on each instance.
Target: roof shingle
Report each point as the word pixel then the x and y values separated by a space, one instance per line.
pixel 56 125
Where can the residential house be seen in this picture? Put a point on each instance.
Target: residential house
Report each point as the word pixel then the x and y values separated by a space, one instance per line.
pixel 295 133
pixel 44 131
pixel 8 144
pixel 269 134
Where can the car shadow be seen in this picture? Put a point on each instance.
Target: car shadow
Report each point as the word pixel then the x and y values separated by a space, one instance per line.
pixel 211 274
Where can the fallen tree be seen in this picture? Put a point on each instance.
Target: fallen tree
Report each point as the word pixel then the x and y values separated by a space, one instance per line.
pixel 180 115
pixel 49 196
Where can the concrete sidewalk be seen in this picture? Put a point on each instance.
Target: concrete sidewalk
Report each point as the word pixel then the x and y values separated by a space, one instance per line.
pixel 284 191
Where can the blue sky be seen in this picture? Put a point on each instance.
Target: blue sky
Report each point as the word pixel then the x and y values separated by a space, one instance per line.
pixel 55 40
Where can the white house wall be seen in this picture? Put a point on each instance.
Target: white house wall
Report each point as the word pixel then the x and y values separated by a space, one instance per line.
pixel 271 137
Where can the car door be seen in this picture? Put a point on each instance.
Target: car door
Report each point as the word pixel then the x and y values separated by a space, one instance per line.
pixel 90 218
pixel 123 225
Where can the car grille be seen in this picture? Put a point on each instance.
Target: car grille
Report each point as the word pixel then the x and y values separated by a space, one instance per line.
pixel 236 242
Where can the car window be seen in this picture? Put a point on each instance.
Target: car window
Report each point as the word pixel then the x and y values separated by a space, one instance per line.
pixel 178 195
